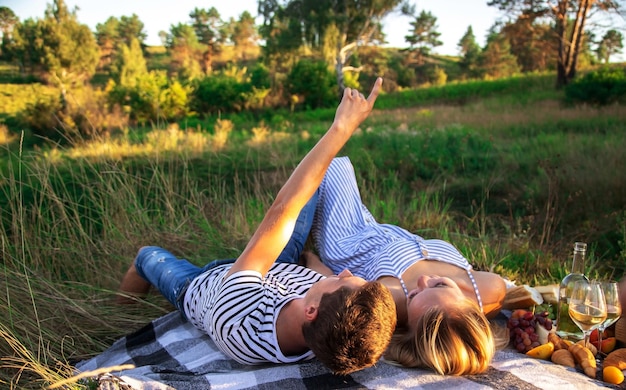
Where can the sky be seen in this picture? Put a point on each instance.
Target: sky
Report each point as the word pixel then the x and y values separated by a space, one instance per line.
pixel 453 16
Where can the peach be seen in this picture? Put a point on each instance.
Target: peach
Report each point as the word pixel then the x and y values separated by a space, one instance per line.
pixel 608 344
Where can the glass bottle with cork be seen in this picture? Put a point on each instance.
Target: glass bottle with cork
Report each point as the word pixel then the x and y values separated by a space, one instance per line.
pixel 565 327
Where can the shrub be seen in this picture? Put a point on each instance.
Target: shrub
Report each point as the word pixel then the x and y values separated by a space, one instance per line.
pixel 600 87
pixel 313 81
pixel 260 76
pixel 83 115
pixel 152 96
pixel 404 75
pixel 41 117
pixel 219 93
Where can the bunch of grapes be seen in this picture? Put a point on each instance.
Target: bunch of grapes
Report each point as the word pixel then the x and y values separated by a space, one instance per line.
pixel 522 327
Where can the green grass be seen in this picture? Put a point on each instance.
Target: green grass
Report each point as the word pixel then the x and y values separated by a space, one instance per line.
pixel 504 171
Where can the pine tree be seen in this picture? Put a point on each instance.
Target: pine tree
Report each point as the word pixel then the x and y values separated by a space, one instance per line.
pixel 611 43
pixel 131 64
pixel 470 52
pixel 496 60
pixel 424 35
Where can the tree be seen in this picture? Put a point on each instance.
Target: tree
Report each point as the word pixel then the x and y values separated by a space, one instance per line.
pixel 569 18
pixel 131 64
pixel 611 43
pixel 244 35
pixel 70 52
pixel 57 47
pixel 207 25
pixel 131 28
pixel 107 36
pixel 114 33
pixel 470 52
pixel 531 43
pixel 23 48
pixel 185 51
pixel 424 35
pixel 496 60
pixel 8 21
pixel 306 21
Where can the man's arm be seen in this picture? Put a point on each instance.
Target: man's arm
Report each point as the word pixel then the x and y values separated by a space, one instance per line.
pixel 276 227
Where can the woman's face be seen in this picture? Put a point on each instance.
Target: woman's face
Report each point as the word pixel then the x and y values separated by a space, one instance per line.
pixel 432 290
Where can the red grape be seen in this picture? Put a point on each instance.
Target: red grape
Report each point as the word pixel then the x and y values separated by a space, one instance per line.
pixel 522 328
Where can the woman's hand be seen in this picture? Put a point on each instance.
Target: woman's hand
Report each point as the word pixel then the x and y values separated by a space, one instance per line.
pixel 354 107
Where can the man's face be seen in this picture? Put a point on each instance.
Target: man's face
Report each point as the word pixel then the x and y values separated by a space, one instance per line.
pixel 333 283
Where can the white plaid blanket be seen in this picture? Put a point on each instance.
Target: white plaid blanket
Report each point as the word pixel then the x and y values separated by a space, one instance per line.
pixel 170 353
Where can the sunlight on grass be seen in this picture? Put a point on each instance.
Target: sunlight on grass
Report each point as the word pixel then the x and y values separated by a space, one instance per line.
pixel 5 135
pixel 223 128
pixel 262 135
pixel 489 114
pixel 26 364
pixel 171 139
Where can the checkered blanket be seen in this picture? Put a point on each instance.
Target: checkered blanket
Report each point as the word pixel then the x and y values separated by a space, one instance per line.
pixel 170 353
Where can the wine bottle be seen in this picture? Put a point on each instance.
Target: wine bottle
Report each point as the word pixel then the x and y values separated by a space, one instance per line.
pixel 565 326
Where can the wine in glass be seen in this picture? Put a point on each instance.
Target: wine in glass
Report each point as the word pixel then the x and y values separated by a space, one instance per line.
pixel 587 307
pixel 613 309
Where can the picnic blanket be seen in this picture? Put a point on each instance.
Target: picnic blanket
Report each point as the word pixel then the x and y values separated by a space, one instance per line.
pixel 170 353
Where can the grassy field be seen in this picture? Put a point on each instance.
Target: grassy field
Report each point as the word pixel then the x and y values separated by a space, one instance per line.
pixel 501 169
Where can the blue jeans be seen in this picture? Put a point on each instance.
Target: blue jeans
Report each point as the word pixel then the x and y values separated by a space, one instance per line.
pixel 171 275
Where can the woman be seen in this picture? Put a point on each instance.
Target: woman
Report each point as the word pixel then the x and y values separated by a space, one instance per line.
pixel 259 311
pixel 441 303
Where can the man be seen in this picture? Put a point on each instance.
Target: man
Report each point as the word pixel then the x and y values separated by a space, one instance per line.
pixel 260 311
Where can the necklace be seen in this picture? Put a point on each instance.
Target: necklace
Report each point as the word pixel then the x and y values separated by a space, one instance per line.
pixel 406 292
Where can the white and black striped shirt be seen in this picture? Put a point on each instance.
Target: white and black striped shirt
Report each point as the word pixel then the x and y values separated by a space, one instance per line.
pixel 240 313
pixel 348 237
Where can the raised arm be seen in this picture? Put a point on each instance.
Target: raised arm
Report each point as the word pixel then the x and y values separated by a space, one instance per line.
pixel 277 226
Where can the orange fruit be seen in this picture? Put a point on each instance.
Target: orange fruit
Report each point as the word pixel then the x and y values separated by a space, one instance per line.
pixel 518 313
pixel 612 374
pixel 608 344
pixel 544 351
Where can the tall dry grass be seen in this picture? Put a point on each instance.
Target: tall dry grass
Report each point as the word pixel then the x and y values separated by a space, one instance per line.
pixel 75 217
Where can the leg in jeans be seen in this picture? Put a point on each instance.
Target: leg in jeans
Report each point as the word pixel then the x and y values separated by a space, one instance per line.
pixel 170 275
pixel 166 272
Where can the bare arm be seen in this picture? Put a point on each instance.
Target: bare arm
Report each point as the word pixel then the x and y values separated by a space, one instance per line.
pixel 493 296
pixel 277 226
pixel 311 260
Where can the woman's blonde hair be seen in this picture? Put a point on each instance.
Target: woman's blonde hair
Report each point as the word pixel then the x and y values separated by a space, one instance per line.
pixel 455 341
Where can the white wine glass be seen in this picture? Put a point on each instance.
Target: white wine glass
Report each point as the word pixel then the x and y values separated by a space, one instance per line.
pixel 587 306
pixel 613 309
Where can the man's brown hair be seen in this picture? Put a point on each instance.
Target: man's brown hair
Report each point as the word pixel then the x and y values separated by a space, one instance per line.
pixel 353 327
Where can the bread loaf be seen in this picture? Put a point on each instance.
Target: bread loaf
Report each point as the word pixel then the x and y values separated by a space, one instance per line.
pixel 521 297
pixel 550 293
pixel 616 358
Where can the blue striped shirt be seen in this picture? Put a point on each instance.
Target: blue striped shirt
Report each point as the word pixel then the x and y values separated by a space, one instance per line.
pixel 240 313
pixel 348 237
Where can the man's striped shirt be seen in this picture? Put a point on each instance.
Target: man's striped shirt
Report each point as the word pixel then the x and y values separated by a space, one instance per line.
pixel 240 312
